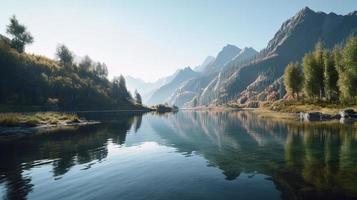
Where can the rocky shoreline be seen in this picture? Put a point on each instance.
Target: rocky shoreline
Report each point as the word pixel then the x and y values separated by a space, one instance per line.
pixel 348 115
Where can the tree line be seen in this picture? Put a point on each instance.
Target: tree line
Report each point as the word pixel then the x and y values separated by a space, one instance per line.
pixel 28 79
pixel 325 75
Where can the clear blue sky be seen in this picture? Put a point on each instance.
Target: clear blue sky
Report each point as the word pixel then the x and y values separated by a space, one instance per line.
pixel 153 38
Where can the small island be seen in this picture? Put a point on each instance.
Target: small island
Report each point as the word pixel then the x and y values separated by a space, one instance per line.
pixel 164 108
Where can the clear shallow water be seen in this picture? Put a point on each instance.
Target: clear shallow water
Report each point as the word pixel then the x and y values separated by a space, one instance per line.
pixel 187 155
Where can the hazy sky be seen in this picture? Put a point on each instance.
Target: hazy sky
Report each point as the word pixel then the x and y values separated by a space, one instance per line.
pixel 152 38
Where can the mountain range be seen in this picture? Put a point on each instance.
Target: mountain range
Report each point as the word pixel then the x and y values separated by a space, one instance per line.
pixel 245 76
pixel 164 92
pixel 297 36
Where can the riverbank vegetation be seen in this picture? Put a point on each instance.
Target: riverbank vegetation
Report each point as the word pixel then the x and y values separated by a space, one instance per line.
pixel 60 83
pixel 325 80
pixel 325 75
pixel 36 119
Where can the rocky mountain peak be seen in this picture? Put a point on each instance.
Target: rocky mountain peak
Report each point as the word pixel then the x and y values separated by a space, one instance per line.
pixel 187 69
pixel 305 17
pixel 226 54
pixel 306 10
pixel 248 49
pixel 230 47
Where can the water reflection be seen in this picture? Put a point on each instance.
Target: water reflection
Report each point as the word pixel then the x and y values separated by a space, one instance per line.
pixel 304 161
pixel 63 148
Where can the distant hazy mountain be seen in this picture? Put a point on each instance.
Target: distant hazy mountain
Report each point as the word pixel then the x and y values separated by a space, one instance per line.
pixel 162 94
pixel 137 84
pixel 297 36
pixel 225 59
pixel 189 90
pixel 146 89
pixel 207 61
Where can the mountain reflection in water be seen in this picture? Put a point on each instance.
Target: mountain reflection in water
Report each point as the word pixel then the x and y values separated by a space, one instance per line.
pixel 187 155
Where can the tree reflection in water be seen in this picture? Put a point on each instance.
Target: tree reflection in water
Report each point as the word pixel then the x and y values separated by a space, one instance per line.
pixel 305 161
pixel 63 148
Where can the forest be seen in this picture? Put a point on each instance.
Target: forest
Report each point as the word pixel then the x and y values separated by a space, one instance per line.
pixel 325 75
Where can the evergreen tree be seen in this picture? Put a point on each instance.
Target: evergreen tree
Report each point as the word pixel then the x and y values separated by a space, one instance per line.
pixel 101 70
pixel 138 99
pixel 293 79
pixel 86 64
pixel 119 88
pixel 122 82
pixel 64 56
pixel 20 37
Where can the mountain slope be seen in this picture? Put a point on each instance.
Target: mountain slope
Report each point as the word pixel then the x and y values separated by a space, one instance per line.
pixel 244 55
pixel 194 87
pixel 207 61
pixel 32 82
pixel 162 94
pixel 224 56
pixel 296 37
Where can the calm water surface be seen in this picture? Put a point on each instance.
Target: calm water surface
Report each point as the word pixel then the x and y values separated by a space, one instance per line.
pixel 187 155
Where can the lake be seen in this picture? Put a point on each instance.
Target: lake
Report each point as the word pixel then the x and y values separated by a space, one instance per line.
pixel 184 155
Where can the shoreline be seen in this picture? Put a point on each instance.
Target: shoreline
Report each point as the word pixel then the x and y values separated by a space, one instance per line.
pixel 63 119
pixel 213 108
pixel 21 130
pixel 270 114
pixel 19 123
pixel 320 115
